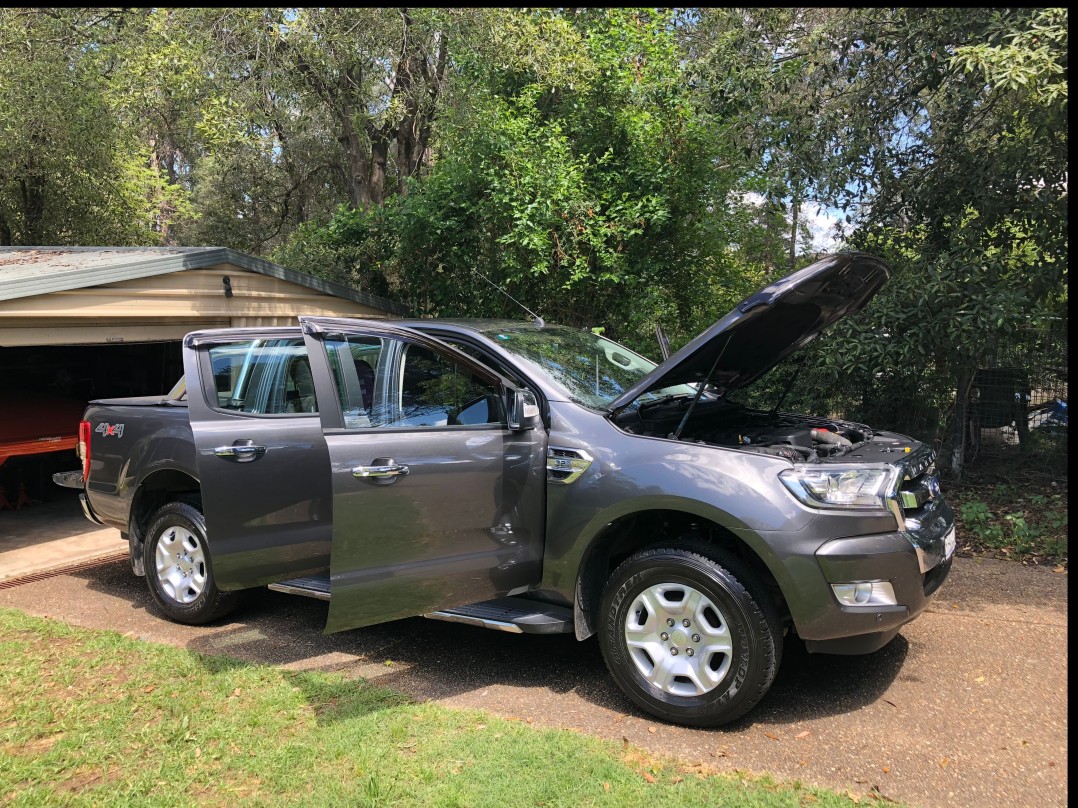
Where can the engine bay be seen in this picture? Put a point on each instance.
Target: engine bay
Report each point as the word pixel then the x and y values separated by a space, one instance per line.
pixel 797 438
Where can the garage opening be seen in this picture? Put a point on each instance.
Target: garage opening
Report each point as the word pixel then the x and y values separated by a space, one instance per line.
pixel 46 388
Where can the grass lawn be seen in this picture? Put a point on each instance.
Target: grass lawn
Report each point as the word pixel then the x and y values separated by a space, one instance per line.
pixel 89 717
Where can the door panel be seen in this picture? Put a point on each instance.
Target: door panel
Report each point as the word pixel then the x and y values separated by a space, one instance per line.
pixel 449 532
pixel 261 456
pixel 459 516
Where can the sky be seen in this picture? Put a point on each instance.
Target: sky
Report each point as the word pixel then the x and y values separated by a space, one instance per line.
pixel 822 224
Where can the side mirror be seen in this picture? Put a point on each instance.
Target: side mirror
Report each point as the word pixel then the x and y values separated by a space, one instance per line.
pixel 524 413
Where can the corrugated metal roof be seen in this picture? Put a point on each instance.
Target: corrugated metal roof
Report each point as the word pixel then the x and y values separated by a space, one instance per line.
pixel 28 271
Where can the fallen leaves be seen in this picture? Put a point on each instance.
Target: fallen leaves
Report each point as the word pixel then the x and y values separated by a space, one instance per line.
pixel 1060 568
pixel 771 736
pixel 944 762
pixel 649 777
pixel 803 734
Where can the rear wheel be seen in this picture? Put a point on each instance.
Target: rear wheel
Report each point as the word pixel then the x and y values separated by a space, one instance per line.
pixel 689 634
pixel 178 570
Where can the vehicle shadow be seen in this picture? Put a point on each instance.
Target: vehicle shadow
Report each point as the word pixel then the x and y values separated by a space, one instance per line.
pixel 432 660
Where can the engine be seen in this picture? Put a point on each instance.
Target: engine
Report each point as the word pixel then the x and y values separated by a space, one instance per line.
pixel 798 438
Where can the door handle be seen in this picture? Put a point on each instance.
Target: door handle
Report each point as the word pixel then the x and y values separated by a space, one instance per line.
pixel 240 451
pixel 382 468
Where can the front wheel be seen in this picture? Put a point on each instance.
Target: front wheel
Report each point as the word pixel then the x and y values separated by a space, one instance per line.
pixel 689 634
pixel 177 563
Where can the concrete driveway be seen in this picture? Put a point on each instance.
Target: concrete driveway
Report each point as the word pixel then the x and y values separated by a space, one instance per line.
pixel 967 707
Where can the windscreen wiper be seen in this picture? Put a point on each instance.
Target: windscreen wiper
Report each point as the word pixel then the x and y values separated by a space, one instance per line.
pixel 663 400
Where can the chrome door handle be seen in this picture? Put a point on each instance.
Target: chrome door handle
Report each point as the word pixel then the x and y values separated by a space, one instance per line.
pixel 241 453
pixel 388 469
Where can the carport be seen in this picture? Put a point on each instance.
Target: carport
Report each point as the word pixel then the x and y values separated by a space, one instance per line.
pixel 80 323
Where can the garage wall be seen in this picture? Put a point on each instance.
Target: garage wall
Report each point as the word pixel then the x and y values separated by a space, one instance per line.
pixel 164 308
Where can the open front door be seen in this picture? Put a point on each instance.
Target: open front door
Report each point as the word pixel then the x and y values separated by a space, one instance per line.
pixel 261 457
pixel 436 502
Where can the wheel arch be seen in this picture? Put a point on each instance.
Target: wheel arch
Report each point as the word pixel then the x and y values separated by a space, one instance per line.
pixel 633 532
pixel 155 490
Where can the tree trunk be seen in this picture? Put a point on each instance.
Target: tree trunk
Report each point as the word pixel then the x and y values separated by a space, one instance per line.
pixel 358 170
pixel 33 208
pixel 376 187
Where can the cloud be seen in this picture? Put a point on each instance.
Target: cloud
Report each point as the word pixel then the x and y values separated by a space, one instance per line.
pixel 825 226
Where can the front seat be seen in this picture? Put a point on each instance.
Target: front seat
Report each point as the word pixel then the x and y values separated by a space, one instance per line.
pixel 300 374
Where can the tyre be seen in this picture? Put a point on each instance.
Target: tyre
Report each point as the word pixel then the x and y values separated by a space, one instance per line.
pixel 178 571
pixel 689 634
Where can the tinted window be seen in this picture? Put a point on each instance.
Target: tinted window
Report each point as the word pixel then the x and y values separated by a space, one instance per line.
pixel 389 383
pixel 263 377
pixel 357 364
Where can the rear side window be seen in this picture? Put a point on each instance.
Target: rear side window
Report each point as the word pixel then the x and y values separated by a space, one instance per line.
pixel 263 377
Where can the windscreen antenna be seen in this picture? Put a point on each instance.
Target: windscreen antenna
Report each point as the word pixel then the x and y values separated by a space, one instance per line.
pixel 538 320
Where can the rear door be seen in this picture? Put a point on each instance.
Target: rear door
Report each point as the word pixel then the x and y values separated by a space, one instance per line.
pixel 436 502
pixel 261 457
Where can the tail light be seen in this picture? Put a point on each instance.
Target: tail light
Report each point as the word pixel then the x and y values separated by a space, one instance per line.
pixel 84 448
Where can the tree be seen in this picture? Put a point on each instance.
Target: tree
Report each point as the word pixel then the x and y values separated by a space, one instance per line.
pixel 945 135
pixel 69 172
pixel 581 176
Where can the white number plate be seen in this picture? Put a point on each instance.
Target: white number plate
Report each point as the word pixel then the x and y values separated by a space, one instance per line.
pixel 948 543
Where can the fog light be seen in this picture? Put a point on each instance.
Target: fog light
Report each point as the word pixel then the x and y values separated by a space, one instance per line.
pixel 865 593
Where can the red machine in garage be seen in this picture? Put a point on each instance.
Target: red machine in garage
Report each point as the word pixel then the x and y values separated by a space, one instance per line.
pixel 32 423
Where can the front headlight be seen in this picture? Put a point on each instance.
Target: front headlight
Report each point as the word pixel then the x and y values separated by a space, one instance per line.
pixel 840 486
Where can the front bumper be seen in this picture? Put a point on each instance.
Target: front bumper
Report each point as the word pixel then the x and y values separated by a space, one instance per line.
pixel 915 562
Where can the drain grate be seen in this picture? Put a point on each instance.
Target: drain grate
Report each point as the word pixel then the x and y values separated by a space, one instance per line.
pixel 70 568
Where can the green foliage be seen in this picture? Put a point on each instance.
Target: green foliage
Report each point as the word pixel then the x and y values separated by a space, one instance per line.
pixel 946 142
pixel 69 172
pixel 588 189
pixel 1035 525
pixel 609 167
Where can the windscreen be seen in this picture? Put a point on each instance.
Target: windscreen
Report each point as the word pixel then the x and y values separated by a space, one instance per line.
pixel 592 369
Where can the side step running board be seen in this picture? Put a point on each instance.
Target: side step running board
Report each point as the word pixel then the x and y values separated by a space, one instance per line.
pixel 516 615
pixel 308 587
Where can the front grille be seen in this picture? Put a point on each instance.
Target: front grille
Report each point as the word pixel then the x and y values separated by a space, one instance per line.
pixel 920 484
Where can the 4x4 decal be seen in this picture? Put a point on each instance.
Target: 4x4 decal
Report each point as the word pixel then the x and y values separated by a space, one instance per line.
pixel 115 430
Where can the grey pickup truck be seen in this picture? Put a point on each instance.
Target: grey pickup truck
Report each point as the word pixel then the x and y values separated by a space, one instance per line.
pixel 534 478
